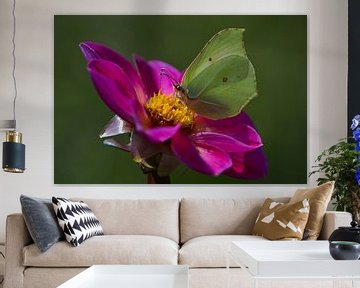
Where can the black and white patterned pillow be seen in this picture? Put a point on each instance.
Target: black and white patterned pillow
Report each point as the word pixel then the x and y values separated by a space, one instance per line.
pixel 77 220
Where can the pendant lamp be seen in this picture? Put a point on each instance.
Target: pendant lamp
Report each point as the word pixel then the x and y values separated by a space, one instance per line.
pixel 13 160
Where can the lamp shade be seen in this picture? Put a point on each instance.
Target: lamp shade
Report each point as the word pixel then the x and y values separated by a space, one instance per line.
pixel 13 153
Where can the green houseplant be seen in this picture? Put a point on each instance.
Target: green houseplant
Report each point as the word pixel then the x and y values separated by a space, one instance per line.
pixel 341 163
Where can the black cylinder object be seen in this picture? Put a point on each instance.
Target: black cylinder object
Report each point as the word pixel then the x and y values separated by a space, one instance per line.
pixel 13 157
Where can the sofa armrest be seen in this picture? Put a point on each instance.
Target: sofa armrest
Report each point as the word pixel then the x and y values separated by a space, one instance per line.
pixel 333 220
pixel 17 237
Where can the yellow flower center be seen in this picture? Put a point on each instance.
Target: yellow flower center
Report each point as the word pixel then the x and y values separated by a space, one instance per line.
pixel 169 110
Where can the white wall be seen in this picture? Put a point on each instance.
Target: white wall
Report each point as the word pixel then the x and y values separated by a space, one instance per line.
pixel 327 59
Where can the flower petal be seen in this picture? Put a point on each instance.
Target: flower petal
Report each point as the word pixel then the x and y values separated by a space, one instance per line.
pixel 147 75
pixel 200 157
pixel 142 149
pixel 96 51
pixel 251 165
pixel 223 142
pixel 165 84
pixel 150 72
pixel 239 127
pixel 356 134
pixel 115 127
pixel 113 86
pixel 355 122
pixel 160 134
pixel 357 176
pixel 117 144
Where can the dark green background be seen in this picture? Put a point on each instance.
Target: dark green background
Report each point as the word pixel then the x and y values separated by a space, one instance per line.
pixel 276 45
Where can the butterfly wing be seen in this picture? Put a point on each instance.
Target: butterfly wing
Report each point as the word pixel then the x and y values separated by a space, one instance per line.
pixel 221 79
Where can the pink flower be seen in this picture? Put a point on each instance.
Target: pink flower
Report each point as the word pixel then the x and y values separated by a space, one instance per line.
pixel 161 124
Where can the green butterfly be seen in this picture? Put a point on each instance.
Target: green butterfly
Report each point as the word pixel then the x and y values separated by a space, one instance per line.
pixel 221 80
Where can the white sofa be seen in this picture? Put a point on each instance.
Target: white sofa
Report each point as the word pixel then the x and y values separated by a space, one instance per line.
pixel 194 232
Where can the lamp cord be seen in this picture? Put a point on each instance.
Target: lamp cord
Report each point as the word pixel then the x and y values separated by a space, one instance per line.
pixel 14 60
pixel 2 280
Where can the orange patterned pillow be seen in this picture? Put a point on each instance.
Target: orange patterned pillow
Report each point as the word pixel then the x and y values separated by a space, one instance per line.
pixel 319 198
pixel 279 221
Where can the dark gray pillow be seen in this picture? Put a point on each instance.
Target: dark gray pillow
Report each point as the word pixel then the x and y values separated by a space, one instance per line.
pixel 41 221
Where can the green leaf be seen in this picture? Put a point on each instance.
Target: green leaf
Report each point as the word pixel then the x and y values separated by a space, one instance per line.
pixel 221 80
pixel 339 163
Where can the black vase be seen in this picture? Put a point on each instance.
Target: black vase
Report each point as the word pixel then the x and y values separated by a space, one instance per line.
pixel 350 234
pixel 343 250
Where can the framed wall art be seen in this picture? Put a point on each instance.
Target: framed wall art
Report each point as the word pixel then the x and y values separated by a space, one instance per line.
pixel 180 99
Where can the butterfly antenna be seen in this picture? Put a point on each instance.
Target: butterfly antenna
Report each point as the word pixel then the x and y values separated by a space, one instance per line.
pixel 180 91
pixel 165 72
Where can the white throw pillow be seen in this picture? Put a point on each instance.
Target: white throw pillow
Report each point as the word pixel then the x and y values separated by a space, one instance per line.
pixel 77 220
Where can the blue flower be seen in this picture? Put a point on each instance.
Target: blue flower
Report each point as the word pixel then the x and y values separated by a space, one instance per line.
pixel 357 176
pixel 356 134
pixel 355 122
pixel 357 147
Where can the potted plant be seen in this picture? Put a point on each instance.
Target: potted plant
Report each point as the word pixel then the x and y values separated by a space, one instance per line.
pixel 341 163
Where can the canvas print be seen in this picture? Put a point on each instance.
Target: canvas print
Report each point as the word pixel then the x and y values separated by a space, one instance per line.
pixel 180 99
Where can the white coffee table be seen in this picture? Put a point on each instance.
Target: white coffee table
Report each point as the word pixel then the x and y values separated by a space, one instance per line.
pixel 292 260
pixel 131 276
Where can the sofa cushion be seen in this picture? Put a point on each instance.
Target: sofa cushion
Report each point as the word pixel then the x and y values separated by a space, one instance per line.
pixel 211 251
pixel 107 249
pixel 319 198
pixel 200 217
pixel 158 217
pixel 279 221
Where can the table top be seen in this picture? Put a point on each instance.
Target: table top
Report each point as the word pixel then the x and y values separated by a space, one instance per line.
pixel 131 276
pixel 291 259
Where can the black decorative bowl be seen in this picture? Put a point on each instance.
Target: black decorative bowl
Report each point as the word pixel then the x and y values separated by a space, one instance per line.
pixel 344 250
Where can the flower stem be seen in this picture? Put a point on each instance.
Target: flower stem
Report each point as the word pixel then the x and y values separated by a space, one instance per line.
pixel 154 178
